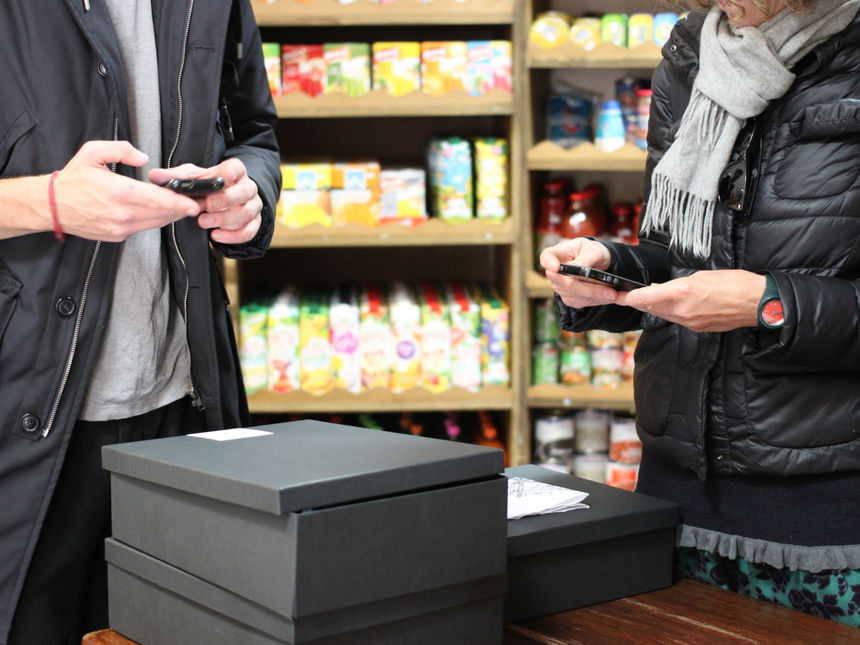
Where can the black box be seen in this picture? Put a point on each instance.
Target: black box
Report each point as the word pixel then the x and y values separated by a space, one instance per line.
pixel 620 546
pixel 313 519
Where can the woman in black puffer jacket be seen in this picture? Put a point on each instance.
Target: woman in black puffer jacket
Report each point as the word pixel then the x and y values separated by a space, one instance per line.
pixel 747 379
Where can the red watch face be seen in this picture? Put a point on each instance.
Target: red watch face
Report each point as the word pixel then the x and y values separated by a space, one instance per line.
pixel 772 313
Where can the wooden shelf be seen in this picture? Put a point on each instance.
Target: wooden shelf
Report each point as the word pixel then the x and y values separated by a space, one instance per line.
pixel 382 400
pixel 378 103
pixel 397 12
pixel 433 232
pixel 549 156
pixel 580 396
pixel 604 56
pixel 537 285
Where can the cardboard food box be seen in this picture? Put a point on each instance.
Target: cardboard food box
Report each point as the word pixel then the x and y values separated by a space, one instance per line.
pixel 620 546
pixel 308 532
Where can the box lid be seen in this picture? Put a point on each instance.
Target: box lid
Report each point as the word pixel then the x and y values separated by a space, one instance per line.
pixel 613 512
pixel 302 464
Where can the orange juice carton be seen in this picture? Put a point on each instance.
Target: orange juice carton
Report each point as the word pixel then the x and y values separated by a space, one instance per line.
pixel 403 195
pixel 449 165
pixel 397 67
pixel 495 337
pixel 344 333
pixel 435 339
pixel 355 193
pixel 282 335
pixel 491 177
pixel 305 194
pixel 405 337
pixel 443 66
pixel 302 69
pixel 375 337
pixel 347 68
pixel 465 336
pixel 314 341
pixel 272 63
pixel 252 345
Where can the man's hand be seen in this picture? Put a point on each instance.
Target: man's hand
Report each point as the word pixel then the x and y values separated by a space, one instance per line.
pixel 577 292
pixel 233 213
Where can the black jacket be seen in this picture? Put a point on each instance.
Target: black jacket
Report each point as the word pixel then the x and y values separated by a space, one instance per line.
pixel 62 84
pixel 751 401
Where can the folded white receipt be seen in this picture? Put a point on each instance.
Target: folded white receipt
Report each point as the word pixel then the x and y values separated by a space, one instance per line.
pixel 530 497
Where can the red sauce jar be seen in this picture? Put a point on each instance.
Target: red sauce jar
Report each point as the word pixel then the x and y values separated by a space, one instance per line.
pixel 552 210
pixel 582 218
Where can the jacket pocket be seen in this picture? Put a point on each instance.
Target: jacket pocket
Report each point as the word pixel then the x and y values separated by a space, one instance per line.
pixel 15 122
pixel 656 370
pixel 9 289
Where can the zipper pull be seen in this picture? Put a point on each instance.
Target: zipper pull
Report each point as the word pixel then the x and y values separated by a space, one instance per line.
pixel 86 5
pixel 196 401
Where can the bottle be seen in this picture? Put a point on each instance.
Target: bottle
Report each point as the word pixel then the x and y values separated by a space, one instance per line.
pixel 622 223
pixel 581 219
pixel 452 426
pixel 611 132
pixel 597 202
pixel 643 112
pixel 553 207
pixel 489 434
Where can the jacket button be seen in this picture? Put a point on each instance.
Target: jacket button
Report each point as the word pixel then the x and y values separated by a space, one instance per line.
pixel 65 306
pixel 30 422
pixel 673 48
pixel 719 457
pixel 102 68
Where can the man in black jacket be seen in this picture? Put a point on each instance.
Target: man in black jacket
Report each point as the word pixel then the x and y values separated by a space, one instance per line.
pixel 114 325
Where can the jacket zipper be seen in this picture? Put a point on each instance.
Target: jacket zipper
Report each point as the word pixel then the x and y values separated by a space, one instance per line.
pixel 196 401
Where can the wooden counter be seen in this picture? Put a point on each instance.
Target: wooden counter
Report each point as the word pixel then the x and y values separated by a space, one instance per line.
pixel 689 613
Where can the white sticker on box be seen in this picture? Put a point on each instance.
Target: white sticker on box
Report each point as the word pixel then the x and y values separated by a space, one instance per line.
pixel 231 434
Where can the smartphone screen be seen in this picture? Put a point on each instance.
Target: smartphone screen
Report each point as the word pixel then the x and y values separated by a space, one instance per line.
pixel 195 187
pixel 604 277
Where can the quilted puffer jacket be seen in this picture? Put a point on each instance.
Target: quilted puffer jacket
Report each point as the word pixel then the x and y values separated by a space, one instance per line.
pixel 752 401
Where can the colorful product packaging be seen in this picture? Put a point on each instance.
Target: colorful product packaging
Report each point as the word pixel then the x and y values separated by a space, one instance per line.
pixel 443 67
pixel 355 193
pixel 502 65
pixel 435 339
pixel 640 29
pixel 585 33
pixel 305 195
pixel 405 337
pixel 465 336
pixel 315 350
pixel 302 69
pixel 375 337
pixel 449 163
pixel 613 28
pixel 495 337
pixel 397 67
pixel 664 22
pixel 252 345
pixel 282 333
pixel 347 68
pixel 570 113
pixel 344 329
pixel 491 178
pixel 550 29
pixel 403 195
pixel 272 63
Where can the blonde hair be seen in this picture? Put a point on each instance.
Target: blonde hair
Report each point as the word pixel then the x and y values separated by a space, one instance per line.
pixel 704 5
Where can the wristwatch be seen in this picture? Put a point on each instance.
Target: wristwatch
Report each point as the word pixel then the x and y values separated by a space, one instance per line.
pixel 770 313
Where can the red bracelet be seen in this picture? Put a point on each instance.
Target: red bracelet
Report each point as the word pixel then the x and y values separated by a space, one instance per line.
pixel 52 200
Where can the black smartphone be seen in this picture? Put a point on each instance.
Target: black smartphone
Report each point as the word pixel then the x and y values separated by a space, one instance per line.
pixel 195 187
pixel 614 281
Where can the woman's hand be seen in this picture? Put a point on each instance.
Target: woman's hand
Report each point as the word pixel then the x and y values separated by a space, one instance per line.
pixel 703 301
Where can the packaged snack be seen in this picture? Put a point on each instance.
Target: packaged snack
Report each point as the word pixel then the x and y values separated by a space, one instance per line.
pixel 355 193
pixel 585 33
pixel 491 178
pixel 375 338
pixel 550 29
pixel 305 194
pixel 435 339
pixel 405 317
pixel 315 342
pixel 502 65
pixel 449 164
pixel 272 62
pixel 479 67
pixel 640 29
pixel 403 195
pixel 252 345
pixel 302 69
pixel 570 113
pixel 282 333
pixel 443 67
pixel 465 336
pixel 347 68
pixel 613 28
pixel 397 67
pixel 495 337
pixel 344 329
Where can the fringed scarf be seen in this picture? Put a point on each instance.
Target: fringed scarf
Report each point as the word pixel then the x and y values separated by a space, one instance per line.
pixel 740 72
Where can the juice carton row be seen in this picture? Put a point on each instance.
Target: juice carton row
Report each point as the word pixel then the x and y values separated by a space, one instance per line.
pixel 467 178
pixel 354 69
pixel 555 28
pixel 360 337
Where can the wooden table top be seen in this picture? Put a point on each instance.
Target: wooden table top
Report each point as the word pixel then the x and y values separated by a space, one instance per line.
pixel 688 613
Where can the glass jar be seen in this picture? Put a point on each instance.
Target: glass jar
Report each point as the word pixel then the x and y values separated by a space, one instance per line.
pixel 552 210
pixel 582 218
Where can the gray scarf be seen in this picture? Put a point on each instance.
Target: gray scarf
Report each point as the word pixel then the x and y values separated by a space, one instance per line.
pixel 740 72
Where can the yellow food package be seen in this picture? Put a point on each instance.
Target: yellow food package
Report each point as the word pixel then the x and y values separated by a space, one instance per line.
pixel 585 33
pixel 640 29
pixel 550 29
pixel 314 342
pixel 443 67
pixel 305 196
pixel 491 177
pixel 397 67
pixel 355 193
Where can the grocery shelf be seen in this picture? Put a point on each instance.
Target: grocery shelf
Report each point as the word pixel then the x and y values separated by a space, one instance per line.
pixel 547 155
pixel 396 12
pixel 537 285
pixel 603 56
pixel 382 400
pixel 378 103
pixel 547 395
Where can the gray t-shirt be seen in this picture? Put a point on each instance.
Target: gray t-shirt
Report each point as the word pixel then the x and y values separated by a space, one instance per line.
pixel 143 362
